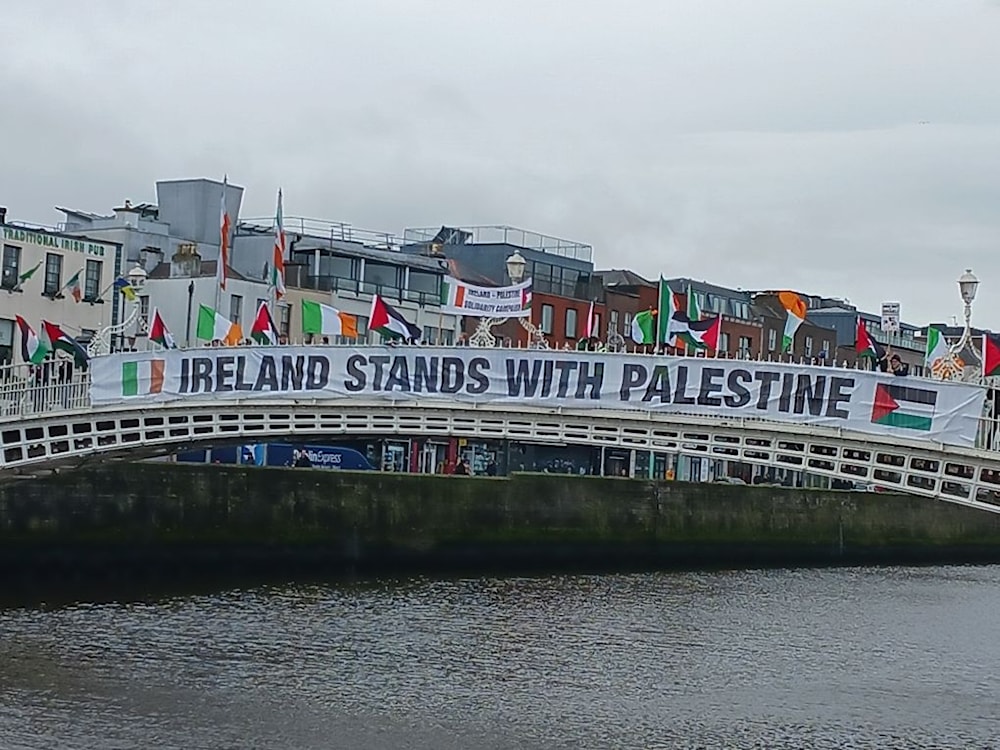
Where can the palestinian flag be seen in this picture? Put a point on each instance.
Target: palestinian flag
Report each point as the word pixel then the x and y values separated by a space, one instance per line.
pixel 700 334
pixel 263 330
pixel 159 333
pixel 60 341
pixel 390 323
pixel 904 407
pixel 644 327
pixel 33 349
pixel 991 354
pixel 865 345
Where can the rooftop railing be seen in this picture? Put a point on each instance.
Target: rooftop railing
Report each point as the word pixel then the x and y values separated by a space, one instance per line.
pixel 333 231
pixel 504 235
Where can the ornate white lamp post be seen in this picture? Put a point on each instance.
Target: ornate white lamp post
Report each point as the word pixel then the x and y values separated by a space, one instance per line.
pixel 968 284
pixel 953 367
pixel 483 336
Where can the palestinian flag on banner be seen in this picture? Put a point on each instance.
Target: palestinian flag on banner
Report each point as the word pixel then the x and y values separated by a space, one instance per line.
pixel 991 354
pixel 865 345
pixel 390 323
pixel 904 407
pixel 33 349
pixel 159 333
pixel 263 330
pixel 60 341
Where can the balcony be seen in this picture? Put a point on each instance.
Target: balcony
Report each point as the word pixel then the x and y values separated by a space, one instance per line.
pixel 353 287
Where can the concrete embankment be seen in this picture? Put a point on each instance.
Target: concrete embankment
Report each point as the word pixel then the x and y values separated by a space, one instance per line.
pixel 175 519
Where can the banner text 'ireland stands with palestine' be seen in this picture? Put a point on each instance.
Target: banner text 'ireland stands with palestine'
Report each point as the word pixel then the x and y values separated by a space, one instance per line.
pixel 936 411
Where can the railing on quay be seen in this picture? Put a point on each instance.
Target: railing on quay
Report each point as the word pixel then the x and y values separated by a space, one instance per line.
pixel 57 386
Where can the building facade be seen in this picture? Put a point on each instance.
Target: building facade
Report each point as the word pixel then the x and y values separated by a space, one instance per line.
pixel 561 271
pixel 37 264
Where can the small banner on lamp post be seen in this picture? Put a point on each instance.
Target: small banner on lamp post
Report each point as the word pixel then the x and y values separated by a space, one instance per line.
pixel 890 317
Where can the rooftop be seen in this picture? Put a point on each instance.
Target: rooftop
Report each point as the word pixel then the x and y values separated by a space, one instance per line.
pixel 499 235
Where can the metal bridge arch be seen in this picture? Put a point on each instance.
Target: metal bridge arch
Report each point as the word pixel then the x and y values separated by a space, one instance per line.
pixel 78 436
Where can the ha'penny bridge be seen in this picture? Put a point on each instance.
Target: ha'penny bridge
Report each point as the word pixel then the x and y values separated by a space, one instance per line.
pixel 919 436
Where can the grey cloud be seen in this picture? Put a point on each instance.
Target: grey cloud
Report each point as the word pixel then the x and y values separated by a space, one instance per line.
pixel 776 143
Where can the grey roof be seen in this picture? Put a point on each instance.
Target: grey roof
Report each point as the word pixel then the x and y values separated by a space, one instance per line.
pixel 622 277
pixel 208 268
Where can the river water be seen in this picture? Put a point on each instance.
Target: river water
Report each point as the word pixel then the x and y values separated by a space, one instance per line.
pixel 832 658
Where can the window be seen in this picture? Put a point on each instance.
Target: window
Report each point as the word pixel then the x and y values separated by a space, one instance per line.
pixel 597 326
pixel 11 266
pixel 547 315
pixel 809 346
pixel 772 340
pixel 383 274
pixel 144 307
pixel 92 280
pixel 571 323
pixel 338 266
pixel 428 283
pixel 53 274
pixel 6 341
pixel 724 342
pixel 433 335
pixel 614 320
pixel 235 308
pixel 284 319
pixel 744 346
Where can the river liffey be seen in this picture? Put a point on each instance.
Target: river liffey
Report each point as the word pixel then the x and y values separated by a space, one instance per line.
pixel 834 658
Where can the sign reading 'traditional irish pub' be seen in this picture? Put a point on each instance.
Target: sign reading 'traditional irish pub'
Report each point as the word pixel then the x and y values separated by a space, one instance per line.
pixel 870 402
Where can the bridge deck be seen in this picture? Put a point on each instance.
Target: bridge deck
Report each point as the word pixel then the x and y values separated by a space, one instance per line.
pixel 52 421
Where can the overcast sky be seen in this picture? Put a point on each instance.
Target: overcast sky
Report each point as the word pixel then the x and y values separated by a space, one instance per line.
pixel 842 147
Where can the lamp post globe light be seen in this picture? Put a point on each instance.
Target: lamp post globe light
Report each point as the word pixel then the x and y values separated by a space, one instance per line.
pixel 968 285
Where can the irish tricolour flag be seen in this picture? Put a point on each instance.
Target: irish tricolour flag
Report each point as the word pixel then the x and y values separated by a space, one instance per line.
pixel 142 378
pixel 215 327
pixel 904 406
pixel 320 319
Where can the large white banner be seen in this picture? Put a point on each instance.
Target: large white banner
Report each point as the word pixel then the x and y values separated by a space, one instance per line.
pixel 459 298
pixel 939 412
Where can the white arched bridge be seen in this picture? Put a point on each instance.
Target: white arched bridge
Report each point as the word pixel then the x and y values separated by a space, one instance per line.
pixel 923 437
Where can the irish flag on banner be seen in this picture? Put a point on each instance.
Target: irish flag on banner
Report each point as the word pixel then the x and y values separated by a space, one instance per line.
pixel 33 349
pixel 158 331
pixel 215 327
pixel 323 320
pixel 390 323
pixel 142 378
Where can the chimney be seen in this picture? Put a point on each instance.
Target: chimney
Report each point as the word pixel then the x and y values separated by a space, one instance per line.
pixel 186 262
pixel 3 214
